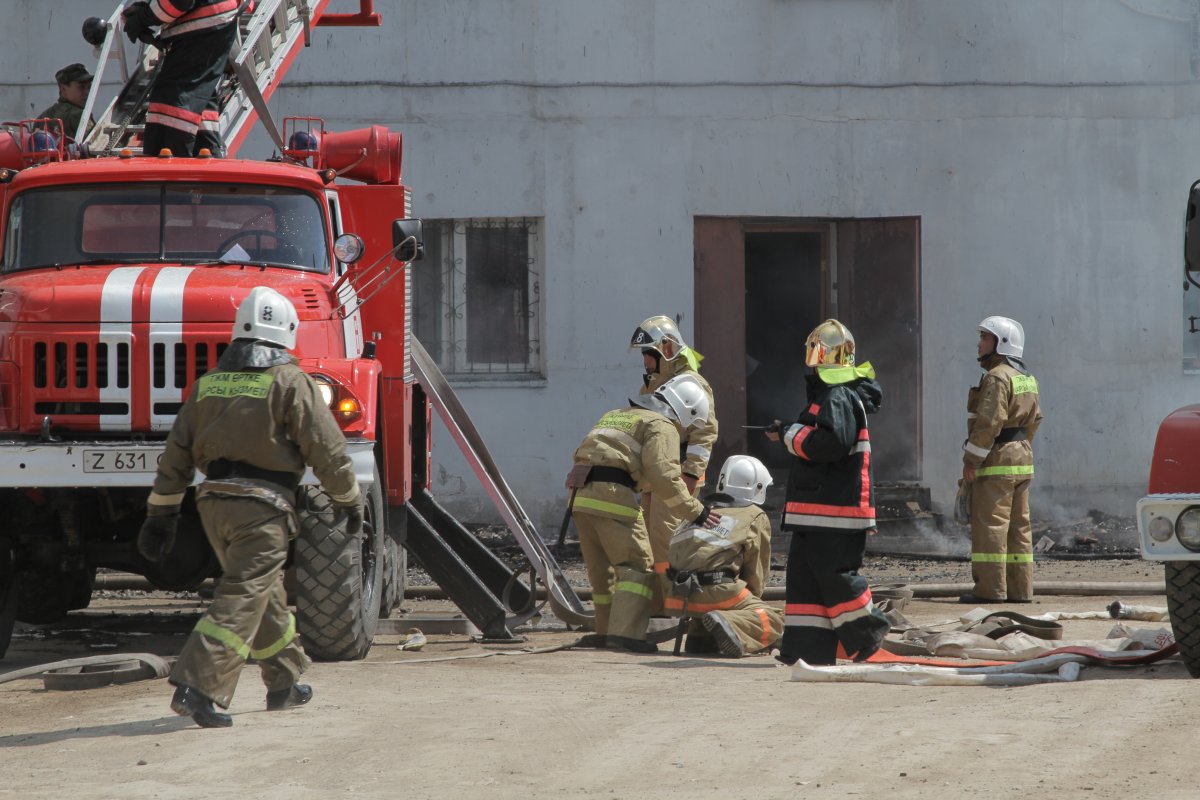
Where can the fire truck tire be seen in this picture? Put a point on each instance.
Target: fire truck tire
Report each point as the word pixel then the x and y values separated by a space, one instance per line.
pixel 338 576
pixel 46 595
pixel 395 565
pixel 1183 604
pixel 8 598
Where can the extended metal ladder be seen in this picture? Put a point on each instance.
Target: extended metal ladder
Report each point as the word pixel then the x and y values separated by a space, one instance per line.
pixel 268 39
pixel 460 559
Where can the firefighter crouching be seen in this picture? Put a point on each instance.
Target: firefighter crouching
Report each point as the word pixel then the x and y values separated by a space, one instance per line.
pixel 830 507
pixel 665 355
pixel 250 426
pixel 718 575
pixel 196 35
pixel 1003 415
pixel 630 450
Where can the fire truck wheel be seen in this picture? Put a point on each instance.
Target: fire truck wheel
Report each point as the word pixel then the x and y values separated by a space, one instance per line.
pixel 395 563
pixel 46 595
pixel 8 598
pixel 338 576
pixel 1183 603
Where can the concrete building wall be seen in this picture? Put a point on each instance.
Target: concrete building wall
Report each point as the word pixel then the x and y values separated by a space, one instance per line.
pixel 1046 145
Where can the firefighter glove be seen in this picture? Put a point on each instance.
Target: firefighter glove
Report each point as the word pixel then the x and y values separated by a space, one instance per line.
pixel 138 18
pixel 354 515
pixel 157 536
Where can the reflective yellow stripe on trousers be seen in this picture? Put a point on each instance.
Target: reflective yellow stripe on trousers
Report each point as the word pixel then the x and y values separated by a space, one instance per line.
pixel 224 636
pixel 633 588
pixel 1023 469
pixel 278 644
pixel 610 508
pixel 1002 558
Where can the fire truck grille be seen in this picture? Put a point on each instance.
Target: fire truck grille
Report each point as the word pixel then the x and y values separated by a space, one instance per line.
pixel 187 362
pixel 80 365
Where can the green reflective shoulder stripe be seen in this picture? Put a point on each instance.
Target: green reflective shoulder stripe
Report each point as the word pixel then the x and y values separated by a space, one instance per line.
pixel 633 588
pixel 1002 558
pixel 601 599
pixel 1024 384
pixel 1020 469
pixel 692 358
pixel 834 376
pixel 607 507
pixel 234 384
pixel 279 644
pixel 223 635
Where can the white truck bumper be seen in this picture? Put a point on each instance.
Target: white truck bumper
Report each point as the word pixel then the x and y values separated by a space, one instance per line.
pixel 116 464
pixel 1154 513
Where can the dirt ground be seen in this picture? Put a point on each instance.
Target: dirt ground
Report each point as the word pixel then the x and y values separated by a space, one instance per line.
pixel 586 723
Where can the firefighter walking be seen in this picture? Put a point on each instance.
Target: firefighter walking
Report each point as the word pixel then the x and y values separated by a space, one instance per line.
pixel 629 450
pixel 196 36
pixel 830 507
pixel 1003 415
pixel 719 575
pixel 665 355
pixel 251 426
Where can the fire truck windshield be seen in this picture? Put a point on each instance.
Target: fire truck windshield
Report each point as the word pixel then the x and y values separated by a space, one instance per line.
pixel 196 223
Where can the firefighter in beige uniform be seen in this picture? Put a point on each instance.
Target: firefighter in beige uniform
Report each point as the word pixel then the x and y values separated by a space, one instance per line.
pixel 719 574
pixel 629 450
pixel 1003 416
pixel 251 426
pixel 665 355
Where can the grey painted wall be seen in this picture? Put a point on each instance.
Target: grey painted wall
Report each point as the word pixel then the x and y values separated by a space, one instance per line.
pixel 1046 145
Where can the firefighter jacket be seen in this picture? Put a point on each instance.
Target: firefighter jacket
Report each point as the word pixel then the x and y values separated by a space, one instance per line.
pixel 1003 415
pixel 831 482
pixel 271 419
pixel 181 18
pixel 644 444
pixel 696 443
pixel 741 552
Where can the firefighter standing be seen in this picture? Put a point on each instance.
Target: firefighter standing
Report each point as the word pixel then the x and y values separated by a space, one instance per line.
pixel 74 83
pixel 197 35
pixel 665 355
pixel 830 507
pixel 719 574
pixel 251 426
pixel 1003 414
pixel 629 450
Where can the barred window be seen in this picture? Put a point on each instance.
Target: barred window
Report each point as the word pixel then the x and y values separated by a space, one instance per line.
pixel 477 296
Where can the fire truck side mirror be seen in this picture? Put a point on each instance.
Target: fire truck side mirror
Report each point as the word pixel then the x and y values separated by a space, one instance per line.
pixel 408 240
pixel 1191 232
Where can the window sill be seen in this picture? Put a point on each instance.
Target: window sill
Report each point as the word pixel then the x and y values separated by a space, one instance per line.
pixel 467 381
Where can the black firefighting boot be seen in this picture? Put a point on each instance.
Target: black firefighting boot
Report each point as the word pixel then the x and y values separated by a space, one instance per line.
pixel 632 645
pixel 295 695
pixel 189 702
pixel 724 634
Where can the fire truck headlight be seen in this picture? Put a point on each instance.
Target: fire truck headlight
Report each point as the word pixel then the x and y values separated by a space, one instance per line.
pixel 1187 528
pixel 1160 529
pixel 327 389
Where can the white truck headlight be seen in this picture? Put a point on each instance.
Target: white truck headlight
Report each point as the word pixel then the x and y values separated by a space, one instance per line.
pixel 1187 528
pixel 1161 529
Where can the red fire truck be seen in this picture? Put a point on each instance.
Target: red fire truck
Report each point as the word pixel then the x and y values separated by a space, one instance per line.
pixel 1168 517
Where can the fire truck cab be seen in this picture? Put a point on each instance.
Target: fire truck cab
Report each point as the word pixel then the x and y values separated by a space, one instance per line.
pixel 119 281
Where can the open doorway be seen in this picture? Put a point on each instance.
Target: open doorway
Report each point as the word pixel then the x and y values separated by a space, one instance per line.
pixel 763 284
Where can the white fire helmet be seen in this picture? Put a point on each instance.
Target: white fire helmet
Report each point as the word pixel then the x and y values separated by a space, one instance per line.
pixel 1010 336
pixel 659 334
pixel 267 316
pixel 744 478
pixel 687 399
pixel 829 344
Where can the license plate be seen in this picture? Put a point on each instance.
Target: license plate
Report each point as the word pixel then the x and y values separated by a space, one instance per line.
pixel 121 460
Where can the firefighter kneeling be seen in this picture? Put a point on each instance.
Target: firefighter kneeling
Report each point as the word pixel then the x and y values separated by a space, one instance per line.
pixel 719 575
pixel 630 450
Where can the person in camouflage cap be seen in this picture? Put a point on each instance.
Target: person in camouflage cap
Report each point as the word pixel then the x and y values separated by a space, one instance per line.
pixel 74 83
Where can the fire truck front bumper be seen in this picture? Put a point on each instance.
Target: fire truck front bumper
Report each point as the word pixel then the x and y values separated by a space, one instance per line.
pixel 47 465
pixel 1169 527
